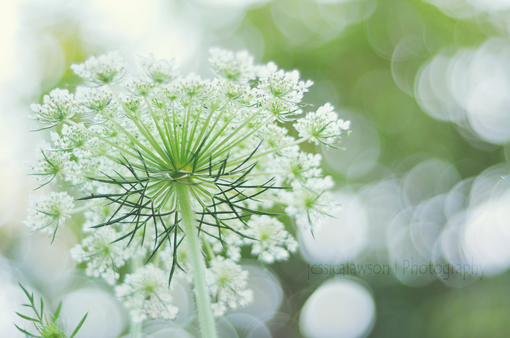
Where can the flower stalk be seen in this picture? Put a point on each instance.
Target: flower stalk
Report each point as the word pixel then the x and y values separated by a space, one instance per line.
pixel 201 290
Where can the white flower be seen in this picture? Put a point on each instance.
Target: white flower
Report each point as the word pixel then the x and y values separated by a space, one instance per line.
pixel 140 87
pixel 151 152
pixel 70 137
pixel 146 294
pixel 105 69
pixel 227 283
pixel 344 125
pixel 159 71
pixel 298 165
pixel 49 163
pixel 194 86
pixel 47 213
pixel 284 85
pixel 322 126
pixel 95 99
pixel 103 257
pixel 272 242
pixel 57 106
pixel 310 202
pixel 236 67
pixel 281 91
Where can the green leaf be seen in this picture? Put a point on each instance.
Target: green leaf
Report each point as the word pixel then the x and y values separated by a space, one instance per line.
pixel 79 326
pixel 27 317
pixel 57 313
pixel 26 332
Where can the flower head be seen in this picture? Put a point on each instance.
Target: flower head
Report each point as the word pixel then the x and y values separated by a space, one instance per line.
pixel 105 69
pixel 227 283
pixel 47 213
pixel 271 242
pixel 103 255
pixel 159 71
pixel 146 294
pixel 156 155
pixel 57 106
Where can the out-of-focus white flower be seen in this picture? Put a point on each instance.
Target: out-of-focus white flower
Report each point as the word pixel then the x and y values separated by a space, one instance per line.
pixel 271 242
pixel 227 283
pixel 310 202
pixel 103 257
pixel 146 294
pixel 108 68
pixel 159 71
pixel 48 213
pixel 236 67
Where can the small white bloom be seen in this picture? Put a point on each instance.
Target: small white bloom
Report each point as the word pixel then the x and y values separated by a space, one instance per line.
pixel 57 106
pixel 95 99
pixel 70 137
pixel 282 85
pixel 102 256
pixel 140 87
pixel 298 165
pixel 309 202
pixel 146 294
pixel 159 71
pixel 272 242
pixel 47 213
pixel 49 163
pixel 105 69
pixel 344 125
pixel 227 283
pixel 321 126
pixel 194 86
pixel 236 67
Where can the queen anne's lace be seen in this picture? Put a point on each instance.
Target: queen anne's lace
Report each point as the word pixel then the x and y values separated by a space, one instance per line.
pixel 271 242
pixel 227 283
pixel 102 255
pixel 104 69
pixel 126 141
pixel 146 294
pixel 57 106
pixel 47 213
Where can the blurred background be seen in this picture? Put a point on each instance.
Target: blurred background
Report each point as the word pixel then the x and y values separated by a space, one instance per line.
pixel 420 245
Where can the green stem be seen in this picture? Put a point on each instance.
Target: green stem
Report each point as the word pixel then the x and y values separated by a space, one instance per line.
pixel 135 329
pixel 202 297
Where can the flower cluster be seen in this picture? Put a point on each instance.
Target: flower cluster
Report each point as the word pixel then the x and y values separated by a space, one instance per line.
pixel 147 295
pixel 164 165
pixel 227 282
pixel 47 213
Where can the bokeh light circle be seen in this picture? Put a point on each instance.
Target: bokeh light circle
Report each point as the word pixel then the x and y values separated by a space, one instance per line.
pixel 341 308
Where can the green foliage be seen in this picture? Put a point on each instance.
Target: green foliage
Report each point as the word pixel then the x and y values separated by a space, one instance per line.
pixel 46 328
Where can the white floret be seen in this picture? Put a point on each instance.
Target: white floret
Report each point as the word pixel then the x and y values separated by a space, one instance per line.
pixel 236 67
pixel 103 257
pixel 146 294
pixel 48 213
pixel 108 68
pixel 322 126
pixel 57 106
pixel 272 242
pixel 159 71
pixel 227 283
